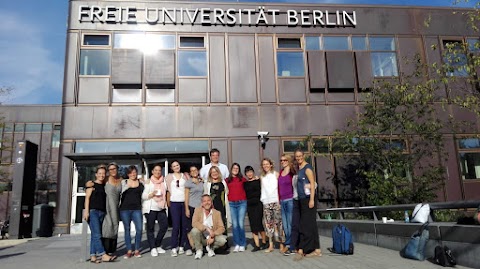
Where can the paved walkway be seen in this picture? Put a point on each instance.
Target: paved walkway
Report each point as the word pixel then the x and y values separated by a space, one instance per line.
pixel 65 252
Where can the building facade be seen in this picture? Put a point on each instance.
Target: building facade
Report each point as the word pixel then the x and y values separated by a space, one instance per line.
pixel 39 124
pixel 154 81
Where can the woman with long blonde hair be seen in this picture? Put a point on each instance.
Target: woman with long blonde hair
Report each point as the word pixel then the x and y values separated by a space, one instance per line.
pixel 272 215
pixel 285 192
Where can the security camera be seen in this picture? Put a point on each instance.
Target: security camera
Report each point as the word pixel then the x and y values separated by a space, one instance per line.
pixel 262 133
pixel 262 137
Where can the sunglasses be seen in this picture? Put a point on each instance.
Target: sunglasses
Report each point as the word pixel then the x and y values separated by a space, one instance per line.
pixel 178 183
pixel 284 160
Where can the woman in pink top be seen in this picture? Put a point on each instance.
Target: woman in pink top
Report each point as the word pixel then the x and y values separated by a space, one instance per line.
pixel 285 191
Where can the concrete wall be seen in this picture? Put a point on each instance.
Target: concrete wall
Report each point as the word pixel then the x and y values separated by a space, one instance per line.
pixel 463 240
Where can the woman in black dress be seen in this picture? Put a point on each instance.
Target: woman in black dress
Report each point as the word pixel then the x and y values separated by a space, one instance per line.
pixel 254 208
pixel 218 191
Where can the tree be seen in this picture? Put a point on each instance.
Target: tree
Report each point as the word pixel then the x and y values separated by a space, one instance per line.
pixel 395 145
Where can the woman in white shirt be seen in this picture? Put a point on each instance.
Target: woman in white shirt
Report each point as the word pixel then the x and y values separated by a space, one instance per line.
pixel 272 214
pixel 176 202
pixel 154 208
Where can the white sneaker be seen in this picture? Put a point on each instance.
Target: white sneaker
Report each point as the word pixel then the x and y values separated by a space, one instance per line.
pixel 237 247
pixel 198 254
pixel 189 252
pixel 241 249
pixel 160 250
pixel 210 252
pixel 154 252
pixel 174 252
pixel 181 251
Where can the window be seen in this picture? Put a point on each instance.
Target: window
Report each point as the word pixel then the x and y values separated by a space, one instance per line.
pixel 359 43
pixel 129 41
pixel 469 157
pixel 292 145
pixel 108 146
pixel 56 136
pixel 321 145
pixel 19 127
pixel 156 42
pixel 335 43
pixel 290 64
pixel 33 128
pixel 47 127
pixel 312 43
pixel 96 40
pixel 177 146
pixel 95 62
pixel 383 56
pixel 454 58
pixel 126 93
pixel 8 127
pixel 473 44
pixel 192 63
pixel 192 42
pixel 289 43
pixel 384 64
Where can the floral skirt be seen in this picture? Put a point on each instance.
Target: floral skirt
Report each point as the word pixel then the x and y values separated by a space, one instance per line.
pixel 272 218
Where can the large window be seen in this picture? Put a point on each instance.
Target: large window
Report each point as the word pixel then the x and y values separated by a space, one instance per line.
pixel 335 43
pixel 95 55
pixel 56 136
pixel 469 157
pixel 192 63
pixel 192 57
pixel 383 56
pixel 290 61
pixel 290 64
pixel 95 62
pixel 454 57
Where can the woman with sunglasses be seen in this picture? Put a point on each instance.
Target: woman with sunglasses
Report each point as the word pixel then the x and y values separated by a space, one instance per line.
pixel 285 192
pixel 176 201
pixel 131 210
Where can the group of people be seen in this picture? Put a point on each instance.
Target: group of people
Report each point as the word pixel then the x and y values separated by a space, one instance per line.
pixel 281 206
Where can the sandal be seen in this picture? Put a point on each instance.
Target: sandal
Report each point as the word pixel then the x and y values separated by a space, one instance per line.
pixel 92 260
pixel 110 259
pixel 298 257
pixel 268 250
pixel 314 254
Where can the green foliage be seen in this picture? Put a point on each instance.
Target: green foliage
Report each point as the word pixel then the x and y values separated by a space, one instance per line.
pixel 396 141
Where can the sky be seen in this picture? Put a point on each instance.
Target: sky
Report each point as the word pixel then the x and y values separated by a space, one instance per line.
pixel 32 44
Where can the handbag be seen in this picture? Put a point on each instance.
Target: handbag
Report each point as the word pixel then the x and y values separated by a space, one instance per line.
pixel 415 248
pixel 444 257
pixel 421 213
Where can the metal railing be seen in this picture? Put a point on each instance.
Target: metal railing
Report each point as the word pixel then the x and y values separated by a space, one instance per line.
pixel 375 209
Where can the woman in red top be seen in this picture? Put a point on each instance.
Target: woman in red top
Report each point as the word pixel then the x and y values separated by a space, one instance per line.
pixel 238 206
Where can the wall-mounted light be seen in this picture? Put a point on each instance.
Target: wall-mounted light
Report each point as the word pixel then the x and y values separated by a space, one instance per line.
pixel 262 137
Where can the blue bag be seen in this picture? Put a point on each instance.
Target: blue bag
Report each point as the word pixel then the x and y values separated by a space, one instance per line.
pixel 342 240
pixel 415 248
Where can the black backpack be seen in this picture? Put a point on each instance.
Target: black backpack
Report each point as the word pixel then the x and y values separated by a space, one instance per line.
pixel 444 256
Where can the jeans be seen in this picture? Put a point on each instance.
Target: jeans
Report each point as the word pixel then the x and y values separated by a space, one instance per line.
pixel 287 213
pixel 295 233
pixel 161 217
pixel 179 225
pixel 238 210
pixel 127 216
pixel 95 220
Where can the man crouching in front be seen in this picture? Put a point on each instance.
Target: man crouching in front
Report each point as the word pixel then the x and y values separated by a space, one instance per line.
pixel 207 228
